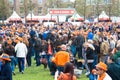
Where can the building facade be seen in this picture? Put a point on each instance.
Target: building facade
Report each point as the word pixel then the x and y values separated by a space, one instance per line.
pixel 23 7
pixel 87 7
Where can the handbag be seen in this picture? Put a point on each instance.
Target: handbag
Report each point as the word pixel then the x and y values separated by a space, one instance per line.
pixel 43 60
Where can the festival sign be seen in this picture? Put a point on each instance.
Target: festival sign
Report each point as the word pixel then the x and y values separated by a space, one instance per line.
pixel 61 11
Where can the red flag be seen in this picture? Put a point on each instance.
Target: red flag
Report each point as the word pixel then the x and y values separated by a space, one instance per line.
pixel 49 49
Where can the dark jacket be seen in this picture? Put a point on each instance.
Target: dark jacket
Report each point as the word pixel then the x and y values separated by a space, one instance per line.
pixel 38 44
pixel 116 56
pixel 10 50
pixel 114 71
pixel 79 40
pixel 97 49
pixel 90 53
pixel 6 72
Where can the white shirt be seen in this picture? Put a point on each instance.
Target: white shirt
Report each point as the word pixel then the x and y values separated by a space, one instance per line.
pixel 107 77
pixel 21 50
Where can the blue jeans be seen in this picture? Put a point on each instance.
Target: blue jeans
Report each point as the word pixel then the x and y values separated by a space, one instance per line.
pixel 12 63
pixel 60 69
pixel 95 61
pixel 28 58
pixel 0 65
pixel 79 52
pixel 21 62
pixel 49 60
pixel 37 57
pixel 73 50
pixel 85 63
pixel 33 51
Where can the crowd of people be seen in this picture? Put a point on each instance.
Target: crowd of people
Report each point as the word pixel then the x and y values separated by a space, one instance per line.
pixel 62 47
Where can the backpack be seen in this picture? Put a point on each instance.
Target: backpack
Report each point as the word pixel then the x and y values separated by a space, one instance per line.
pixel 37 43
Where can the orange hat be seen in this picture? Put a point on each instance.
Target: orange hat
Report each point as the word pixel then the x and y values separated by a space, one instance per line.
pixel 102 65
pixel 5 57
pixel 53 32
pixel 75 32
pixel 20 39
pixel 9 41
pixel 98 33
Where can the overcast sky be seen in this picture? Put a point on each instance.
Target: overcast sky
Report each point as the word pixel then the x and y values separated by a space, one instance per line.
pixel 72 0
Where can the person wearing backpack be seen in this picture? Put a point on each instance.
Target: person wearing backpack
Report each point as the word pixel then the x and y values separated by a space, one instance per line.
pixel 9 49
pixel 38 49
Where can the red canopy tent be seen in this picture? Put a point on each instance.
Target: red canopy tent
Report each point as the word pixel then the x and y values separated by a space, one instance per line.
pixel 76 17
pixel 14 17
pixel 49 17
pixel 32 17
pixel 103 17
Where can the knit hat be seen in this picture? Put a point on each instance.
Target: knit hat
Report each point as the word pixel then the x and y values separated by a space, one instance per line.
pixel 5 57
pixel 102 65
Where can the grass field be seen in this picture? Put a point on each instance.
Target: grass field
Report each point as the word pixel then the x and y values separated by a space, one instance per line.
pixel 37 73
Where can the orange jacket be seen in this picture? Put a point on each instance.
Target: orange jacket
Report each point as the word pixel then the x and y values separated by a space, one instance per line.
pixel 65 76
pixel 61 58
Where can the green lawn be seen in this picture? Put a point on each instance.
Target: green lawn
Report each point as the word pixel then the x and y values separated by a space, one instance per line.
pixel 37 73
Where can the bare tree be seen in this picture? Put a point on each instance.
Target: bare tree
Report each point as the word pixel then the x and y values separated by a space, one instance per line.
pixel 25 9
pixel 4 10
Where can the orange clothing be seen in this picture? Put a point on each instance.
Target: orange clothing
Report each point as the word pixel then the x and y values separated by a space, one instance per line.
pixel 102 77
pixel 66 76
pixel 61 58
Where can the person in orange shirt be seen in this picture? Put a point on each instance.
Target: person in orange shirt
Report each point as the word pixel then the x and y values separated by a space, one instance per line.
pixel 68 73
pixel 61 58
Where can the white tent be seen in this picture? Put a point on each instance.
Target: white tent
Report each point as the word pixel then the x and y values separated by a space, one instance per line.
pixel 62 18
pixel 49 17
pixel 14 17
pixel 76 17
pixel 32 17
pixel 103 16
